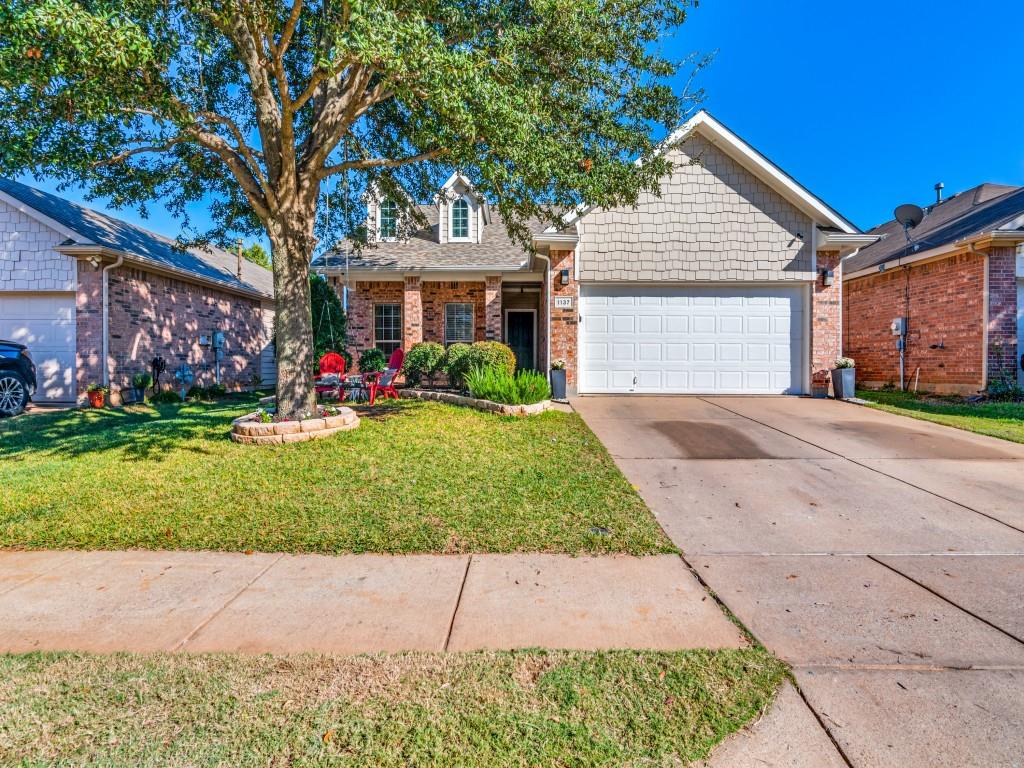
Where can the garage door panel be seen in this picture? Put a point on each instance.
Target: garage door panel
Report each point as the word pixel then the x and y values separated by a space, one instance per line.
pixel 692 339
pixel 46 325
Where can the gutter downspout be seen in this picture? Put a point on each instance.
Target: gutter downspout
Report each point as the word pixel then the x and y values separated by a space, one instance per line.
pixel 547 311
pixel 106 319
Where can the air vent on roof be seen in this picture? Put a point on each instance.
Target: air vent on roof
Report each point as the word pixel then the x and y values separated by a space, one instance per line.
pixel 939 186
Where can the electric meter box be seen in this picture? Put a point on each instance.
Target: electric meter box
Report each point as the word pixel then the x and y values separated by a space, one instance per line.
pixel 898 326
pixel 218 339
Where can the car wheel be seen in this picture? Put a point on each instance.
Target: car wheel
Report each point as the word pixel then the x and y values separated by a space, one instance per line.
pixel 13 394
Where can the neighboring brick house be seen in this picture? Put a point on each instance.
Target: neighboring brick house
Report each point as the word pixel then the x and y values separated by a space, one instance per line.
pixel 959 281
pixel 726 282
pixel 161 300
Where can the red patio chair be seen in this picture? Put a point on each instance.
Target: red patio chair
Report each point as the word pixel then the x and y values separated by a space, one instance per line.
pixel 383 384
pixel 331 365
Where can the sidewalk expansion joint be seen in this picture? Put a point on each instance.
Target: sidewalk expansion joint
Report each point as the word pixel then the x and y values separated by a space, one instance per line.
pixel 945 599
pixel 458 603
pixel 199 627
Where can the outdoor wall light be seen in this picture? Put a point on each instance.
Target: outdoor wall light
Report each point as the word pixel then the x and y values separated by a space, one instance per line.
pixel 564 276
pixel 828 277
pixel 94 261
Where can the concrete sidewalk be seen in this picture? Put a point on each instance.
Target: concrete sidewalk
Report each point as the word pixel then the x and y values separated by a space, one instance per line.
pixel 272 603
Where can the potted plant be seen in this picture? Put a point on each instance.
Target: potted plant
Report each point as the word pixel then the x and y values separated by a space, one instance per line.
pixel 558 379
pixel 97 395
pixel 140 383
pixel 844 378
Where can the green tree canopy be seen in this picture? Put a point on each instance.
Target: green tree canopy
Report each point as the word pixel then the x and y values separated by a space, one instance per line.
pixel 263 106
pixel 257 255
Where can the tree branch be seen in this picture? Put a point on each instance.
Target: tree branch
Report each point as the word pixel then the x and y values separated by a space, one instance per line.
pixel 122 156
pixel 381 162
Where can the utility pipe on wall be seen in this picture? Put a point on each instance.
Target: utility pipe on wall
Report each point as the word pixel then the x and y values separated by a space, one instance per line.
pixel 106 318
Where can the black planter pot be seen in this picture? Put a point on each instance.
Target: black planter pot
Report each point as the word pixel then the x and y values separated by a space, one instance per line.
pixel 558 383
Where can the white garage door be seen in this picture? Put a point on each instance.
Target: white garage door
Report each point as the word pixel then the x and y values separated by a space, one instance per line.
pixel 46 325
pixel 692 339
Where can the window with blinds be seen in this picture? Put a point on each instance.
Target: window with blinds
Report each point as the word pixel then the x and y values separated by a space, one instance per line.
pixel 458 323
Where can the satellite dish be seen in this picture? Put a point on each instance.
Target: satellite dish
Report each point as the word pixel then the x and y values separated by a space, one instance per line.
pixel 909 215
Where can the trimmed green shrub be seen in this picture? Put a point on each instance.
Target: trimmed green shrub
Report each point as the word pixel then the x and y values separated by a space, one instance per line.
pixel 196 392
pixel 494 354
pixel 216 390
pixel 422 361
pixel 457 363
pixel 371 360
pixel 165 396
pixel 499 386
pixel 461 358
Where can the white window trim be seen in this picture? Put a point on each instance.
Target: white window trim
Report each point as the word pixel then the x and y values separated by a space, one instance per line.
pixel 380 237
pixel 451 219
pixel 401 324
pixel 472 322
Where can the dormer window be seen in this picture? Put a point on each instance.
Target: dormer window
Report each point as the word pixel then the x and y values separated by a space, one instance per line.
pixel 387 229
pixel 460 220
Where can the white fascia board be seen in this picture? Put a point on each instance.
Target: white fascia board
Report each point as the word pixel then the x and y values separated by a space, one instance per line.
pixel 752 160
pixel 53 224
pixel 828 240
pixel 556 238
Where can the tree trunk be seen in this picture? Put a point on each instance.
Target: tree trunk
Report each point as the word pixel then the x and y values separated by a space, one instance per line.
pixel 292 247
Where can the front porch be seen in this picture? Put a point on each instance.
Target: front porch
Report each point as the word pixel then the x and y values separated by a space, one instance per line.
pixel 405 310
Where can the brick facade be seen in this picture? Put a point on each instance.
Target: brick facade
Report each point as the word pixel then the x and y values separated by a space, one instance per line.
pixel 436 294
pixel 422 304
pixel 492 308
pixel 565 321
pixel 361 299
pixel 1003 355
pixel 945 303
pixel 412 311
pixel 825 316
pixel 149 315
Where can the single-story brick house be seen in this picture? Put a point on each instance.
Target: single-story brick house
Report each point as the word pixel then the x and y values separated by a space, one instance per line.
pixel 80 287
pixel 959 281
pixel 727 282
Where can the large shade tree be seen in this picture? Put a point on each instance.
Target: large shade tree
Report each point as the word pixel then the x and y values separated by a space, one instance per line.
pixel 262 107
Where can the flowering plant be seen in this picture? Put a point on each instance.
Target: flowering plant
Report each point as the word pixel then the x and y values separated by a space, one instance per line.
pixel 845 362
pixel 558 364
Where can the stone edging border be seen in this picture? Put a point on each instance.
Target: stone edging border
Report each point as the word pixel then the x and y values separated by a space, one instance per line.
pixel 247 429
pixel 480 405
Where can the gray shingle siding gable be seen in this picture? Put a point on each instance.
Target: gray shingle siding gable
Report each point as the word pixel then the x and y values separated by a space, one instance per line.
pixel 714 221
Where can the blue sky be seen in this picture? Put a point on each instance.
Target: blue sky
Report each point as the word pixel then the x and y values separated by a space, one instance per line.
pixel 867 104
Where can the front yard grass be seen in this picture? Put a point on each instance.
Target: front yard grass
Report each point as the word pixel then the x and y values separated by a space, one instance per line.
pixel 479 709
pixel 414 477
pixel 1003 419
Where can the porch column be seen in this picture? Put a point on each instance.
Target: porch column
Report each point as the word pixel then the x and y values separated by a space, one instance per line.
pixel 825 341
pixel 412 312
pixel 492 307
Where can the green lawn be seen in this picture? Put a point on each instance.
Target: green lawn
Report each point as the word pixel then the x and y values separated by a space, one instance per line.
pixel 996 418
pixel 491 709
pixel 414 477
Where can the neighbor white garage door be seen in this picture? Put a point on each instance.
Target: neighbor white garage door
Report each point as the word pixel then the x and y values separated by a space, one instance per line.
pixel 692 339
pixel 46 325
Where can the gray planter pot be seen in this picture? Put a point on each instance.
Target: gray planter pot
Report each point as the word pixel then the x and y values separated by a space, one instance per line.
pixel 558 384
pixel 844 382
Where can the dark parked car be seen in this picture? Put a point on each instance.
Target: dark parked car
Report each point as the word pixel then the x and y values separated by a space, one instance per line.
pixel 17 378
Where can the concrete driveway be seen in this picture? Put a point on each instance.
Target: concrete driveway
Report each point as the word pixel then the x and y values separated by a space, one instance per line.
pixel 881 556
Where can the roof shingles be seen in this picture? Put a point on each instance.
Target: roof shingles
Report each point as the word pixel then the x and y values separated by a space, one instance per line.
pixel 209 264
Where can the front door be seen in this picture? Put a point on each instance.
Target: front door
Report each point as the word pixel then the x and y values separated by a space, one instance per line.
pixel 520 333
